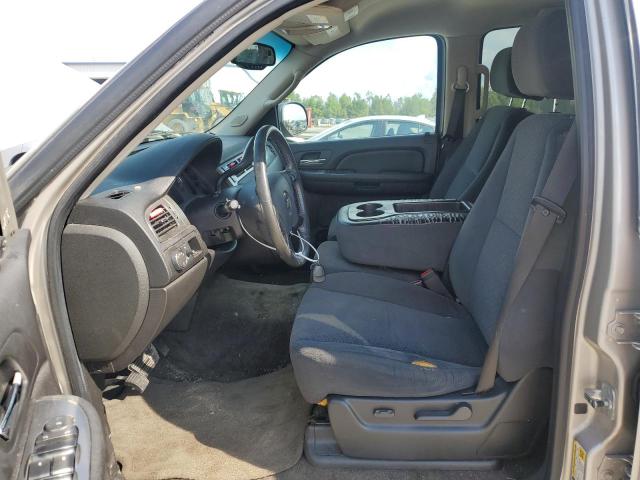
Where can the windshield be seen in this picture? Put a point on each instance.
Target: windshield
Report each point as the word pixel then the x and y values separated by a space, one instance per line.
pixel 219 95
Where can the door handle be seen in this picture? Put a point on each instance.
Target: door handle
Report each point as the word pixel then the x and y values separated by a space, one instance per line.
pixel 313 161
pixel 11 399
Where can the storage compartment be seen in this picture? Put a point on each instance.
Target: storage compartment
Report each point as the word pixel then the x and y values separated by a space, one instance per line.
pixel 408 234
pixel 431 206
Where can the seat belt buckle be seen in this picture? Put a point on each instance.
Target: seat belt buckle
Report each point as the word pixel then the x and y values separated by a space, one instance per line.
pixel 546 207
pixel 430 280
pixel 426 276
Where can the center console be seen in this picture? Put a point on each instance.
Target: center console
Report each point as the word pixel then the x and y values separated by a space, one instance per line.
pixel 406 234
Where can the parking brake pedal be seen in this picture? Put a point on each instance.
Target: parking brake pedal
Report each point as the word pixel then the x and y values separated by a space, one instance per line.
pixel 138 378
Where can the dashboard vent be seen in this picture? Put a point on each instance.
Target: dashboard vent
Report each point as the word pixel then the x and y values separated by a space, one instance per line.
pixel 162 221
pixel 117 195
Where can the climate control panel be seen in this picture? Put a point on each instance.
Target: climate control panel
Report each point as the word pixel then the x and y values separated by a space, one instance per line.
pixel 186 253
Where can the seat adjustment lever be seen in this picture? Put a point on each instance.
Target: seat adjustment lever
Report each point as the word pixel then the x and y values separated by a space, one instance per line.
pixel 457 413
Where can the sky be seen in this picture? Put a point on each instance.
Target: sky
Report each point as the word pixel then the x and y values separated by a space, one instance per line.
pixel 85 30
pixel 117 30
pixel 37 35
pixel 399 67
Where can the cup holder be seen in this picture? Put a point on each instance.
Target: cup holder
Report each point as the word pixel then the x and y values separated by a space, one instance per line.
pixel 369 210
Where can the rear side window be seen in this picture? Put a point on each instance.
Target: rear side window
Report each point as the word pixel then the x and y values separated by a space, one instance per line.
pixel 492 43
pixel 360 130
pixel 379 89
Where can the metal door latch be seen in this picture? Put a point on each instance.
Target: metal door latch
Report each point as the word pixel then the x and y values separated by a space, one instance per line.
pixel 625 328
pixel 602 397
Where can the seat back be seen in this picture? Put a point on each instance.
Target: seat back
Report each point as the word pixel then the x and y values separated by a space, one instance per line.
pixel 466 171
pixel 483 256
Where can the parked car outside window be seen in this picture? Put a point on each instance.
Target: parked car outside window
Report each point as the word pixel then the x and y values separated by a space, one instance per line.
pixel 376 126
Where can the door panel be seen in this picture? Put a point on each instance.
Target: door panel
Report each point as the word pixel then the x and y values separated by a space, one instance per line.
pixel 336 173
pixel 41 431
pixel 383 161
pixel 22 354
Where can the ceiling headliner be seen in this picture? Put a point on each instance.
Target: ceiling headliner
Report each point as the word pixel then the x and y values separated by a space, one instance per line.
pixel 381 19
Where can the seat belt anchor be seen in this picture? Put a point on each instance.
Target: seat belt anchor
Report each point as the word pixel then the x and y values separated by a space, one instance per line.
pixel 546 207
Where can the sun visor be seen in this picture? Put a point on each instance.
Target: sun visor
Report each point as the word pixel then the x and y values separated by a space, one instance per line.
pixel 318 25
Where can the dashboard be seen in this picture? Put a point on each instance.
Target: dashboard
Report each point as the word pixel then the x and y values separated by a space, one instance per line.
pixel 136 250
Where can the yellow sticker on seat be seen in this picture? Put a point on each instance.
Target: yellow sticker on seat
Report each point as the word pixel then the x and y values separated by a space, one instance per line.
pixel 579 462
pixel 423 363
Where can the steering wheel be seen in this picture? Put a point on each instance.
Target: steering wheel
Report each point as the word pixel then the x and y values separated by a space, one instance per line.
pixel 281 197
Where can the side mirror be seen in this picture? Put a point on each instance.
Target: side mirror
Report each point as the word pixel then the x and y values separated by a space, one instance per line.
pixel 293 118
pixel 257 57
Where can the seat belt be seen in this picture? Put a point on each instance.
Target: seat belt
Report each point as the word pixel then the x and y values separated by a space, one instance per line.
pixel 547 212
pixel 455 128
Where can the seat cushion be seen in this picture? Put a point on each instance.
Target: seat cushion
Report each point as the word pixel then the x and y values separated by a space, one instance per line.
pixel 358 334
pixel 333 262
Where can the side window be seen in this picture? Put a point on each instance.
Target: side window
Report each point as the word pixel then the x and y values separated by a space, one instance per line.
pixel 351 132
pixel 391 86
pixel 408 127
pixel 493 42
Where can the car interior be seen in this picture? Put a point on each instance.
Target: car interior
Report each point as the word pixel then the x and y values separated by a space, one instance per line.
pixel 249 304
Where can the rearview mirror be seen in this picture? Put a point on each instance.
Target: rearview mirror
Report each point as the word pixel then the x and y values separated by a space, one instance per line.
pixel 257 57
pixel 293 118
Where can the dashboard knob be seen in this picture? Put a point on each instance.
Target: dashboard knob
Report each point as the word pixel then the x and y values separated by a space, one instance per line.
pixel 180 260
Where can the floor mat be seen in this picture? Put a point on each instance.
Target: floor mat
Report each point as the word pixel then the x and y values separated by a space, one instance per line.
pixel 239 329
pixel 208 430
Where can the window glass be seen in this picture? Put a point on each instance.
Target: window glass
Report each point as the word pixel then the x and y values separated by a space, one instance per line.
pixel 361 130
pixel 384 81
pixel 493 42
pixel 219 95
pixel 403 127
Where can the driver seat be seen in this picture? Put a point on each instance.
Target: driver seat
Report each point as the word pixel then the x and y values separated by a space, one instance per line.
pixel 359 334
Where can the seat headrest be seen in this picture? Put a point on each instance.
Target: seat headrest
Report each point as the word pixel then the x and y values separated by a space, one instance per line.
pixel 501 78
pixel 541 56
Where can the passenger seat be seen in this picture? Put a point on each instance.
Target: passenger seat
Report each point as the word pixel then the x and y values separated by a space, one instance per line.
pixel 363 335
pixel 466 171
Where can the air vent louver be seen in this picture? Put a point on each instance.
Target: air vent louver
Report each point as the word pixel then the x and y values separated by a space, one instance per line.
pixel 117 195
pixel 162 221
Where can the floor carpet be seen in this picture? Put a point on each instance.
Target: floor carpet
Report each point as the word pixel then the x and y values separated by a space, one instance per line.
pixel 204 418
pixel 208 430
pixel 303 470
pixel 239 329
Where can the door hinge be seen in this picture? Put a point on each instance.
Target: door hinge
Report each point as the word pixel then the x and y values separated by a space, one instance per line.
pixel 602 397
pixel 625 328
pixel 615 467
